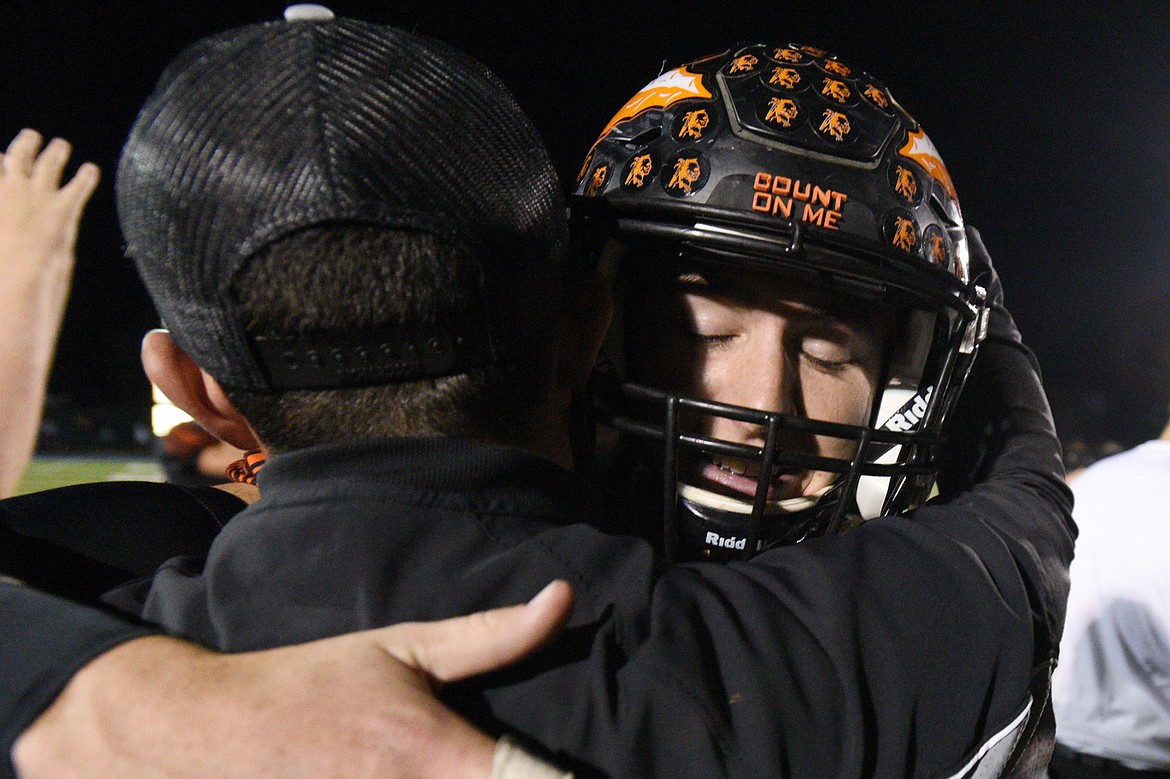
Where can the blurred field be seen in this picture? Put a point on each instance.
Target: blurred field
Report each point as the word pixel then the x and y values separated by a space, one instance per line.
pixel 49 471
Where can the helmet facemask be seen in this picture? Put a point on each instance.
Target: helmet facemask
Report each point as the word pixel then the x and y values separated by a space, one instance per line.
pixel 798 468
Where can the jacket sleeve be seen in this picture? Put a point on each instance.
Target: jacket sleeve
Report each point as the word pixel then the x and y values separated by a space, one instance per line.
pixel 1003 464
pixel 45 641
pixel 1002 452
pixel 82 540
pixel 77 542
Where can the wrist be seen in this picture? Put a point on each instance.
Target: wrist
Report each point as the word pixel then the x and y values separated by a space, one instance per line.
pixel 109 712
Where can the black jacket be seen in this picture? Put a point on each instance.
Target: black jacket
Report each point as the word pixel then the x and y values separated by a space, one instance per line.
pixel 902 648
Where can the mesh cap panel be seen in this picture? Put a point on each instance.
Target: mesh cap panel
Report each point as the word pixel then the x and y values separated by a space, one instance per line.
pixel 267 129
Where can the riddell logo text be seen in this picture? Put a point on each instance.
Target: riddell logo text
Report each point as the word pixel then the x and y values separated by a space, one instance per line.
pixel 908 417
pixel 729 542
pixel 780 195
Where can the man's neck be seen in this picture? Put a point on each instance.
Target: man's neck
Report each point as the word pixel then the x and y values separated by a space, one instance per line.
pixel 547 433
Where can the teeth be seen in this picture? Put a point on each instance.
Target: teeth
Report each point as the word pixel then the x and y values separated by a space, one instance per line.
pixel 739 467
pixel 730 467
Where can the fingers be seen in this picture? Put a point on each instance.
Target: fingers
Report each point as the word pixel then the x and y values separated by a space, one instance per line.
pixel 45 168
pixel 18 158
pixel 79 189
pixel 50 163
pixel 457 648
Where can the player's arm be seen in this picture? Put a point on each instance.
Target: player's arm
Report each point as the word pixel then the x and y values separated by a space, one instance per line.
pixel 1003 449
pixel 360 704
pixel 38 229
pixel 44 642
pixel 1003 461
pixel 82 540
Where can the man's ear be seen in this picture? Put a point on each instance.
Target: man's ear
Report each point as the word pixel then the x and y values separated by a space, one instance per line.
pixel 583 333
pixel 194 390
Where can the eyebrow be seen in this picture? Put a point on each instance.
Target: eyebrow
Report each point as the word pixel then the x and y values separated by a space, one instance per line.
pixel 735 288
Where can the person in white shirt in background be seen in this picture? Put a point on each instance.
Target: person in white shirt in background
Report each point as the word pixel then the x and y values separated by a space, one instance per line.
pixel 1111 691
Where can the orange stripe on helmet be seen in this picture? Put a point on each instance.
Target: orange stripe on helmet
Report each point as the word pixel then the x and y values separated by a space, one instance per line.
pixel 920 149
pixel 669 88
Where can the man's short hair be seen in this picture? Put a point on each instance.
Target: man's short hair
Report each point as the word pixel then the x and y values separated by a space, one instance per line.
pixel 278 188
pixel 318 280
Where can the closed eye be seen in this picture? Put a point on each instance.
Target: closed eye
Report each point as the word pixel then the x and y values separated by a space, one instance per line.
pixel 832 351
pixel 710 338
pixel 828 365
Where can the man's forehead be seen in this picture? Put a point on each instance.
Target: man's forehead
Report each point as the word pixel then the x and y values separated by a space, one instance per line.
pixel 759 289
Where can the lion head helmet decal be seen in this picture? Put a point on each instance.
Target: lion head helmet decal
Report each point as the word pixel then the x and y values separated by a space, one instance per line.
pixel 693 124
pixel 835 125
pixel 598 179
pixel 788 78
pixel 685 174
pixel 784 111
pixel 905 183
pixel 638 171
pixel 837 67
pixel 877 95
pixel 836 90
pixel 902 231
pixel 743 64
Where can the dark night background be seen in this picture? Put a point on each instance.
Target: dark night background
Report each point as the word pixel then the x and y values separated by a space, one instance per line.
pixel 1051 119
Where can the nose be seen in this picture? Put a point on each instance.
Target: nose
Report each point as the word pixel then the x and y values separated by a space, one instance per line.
pixel 760 376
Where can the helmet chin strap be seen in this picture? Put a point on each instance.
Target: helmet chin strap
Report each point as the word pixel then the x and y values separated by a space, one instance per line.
pixel 715 527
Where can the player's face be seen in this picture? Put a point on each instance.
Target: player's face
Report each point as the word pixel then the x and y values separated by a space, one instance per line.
pixel 752 341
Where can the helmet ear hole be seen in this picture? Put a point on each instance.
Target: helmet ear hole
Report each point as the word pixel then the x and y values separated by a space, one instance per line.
pixel 643 138
pixel 940 211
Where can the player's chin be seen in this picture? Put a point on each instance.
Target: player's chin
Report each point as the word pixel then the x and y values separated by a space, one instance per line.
pixel 816 483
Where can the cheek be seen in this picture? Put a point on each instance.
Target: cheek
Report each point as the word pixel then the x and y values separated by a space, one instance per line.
pixel 845 401
pixel 711 373
pixel 660 353
pixel 845 398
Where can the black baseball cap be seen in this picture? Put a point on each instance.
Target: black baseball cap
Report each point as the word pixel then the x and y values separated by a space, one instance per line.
pixel 261 131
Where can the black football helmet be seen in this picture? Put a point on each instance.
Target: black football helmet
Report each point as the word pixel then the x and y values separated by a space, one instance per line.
pixel 784 160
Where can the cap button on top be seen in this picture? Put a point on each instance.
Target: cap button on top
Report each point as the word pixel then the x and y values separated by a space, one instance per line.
pixel 307 12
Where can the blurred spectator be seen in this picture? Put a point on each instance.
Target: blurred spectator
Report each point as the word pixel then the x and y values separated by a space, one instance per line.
pixel 1080 454
pixel 188 454
pixel 193 457
pixel 1111 691
pixel 38 230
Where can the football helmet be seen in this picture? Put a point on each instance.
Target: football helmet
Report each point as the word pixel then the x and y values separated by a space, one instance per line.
pixel 783 160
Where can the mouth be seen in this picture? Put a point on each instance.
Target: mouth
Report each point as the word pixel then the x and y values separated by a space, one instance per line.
pixel 739 478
